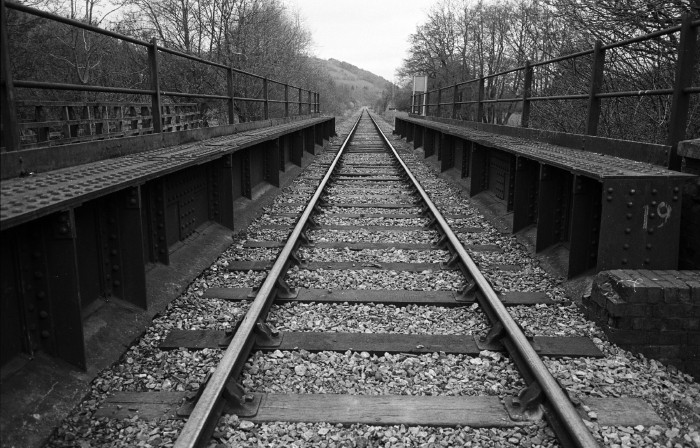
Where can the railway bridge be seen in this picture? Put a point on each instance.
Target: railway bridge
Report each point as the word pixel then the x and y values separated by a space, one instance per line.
pixel 109 209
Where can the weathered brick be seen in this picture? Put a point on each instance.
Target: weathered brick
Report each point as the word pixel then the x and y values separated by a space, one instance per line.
pixel 691 323
pixel 627 337
pixel 694 290
pixel 656 324
pixel 693 337
pixel 616 306
pixel 629 286
pixel 670 310
pixel 673 323
pixel 654 292
pixel 637 309
pixel 666 351
pixel 682 290
pixel 668 338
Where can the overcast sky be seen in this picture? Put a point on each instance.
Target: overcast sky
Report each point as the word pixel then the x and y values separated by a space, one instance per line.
pixel 370 34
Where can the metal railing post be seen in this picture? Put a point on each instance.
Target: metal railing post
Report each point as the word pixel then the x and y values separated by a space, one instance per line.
pixel 309 101
pixel 480 101
pixel 527 93
pixel 439 100
pixel 596 85
pixel 155 86
pixel 266 104
pixel 454 101
pixel 286 100
pixel 299 104
pixel 10 134
pixel 681 100
pixel 427 103
pixel 230 92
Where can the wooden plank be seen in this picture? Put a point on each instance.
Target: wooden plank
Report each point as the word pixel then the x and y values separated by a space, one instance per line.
pixel 384 296
pixel 364 246
pixel 622 411
pixel 380 343
pixel 349 265
pixel 525 298
pixel 195 339
pixel 392 228
pixel 145 405
pixel 355 215
pixel 480 411
pixel 237 265
pixel 397 297
pixel 477 411
pixel 375 205
pixel 574 346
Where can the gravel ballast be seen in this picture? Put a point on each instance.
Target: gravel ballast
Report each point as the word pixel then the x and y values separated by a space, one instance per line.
pixel 144 367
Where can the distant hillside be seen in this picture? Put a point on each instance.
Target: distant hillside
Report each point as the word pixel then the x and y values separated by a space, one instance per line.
pixel 354 86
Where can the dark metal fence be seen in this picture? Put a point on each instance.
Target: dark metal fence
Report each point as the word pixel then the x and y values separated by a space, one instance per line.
pixel 448 101
pixel 269 98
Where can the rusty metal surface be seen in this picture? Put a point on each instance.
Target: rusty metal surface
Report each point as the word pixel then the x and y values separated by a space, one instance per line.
pixel 577 161
pixel 26 198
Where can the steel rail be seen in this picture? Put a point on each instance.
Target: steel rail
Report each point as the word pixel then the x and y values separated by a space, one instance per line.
pixel 193 432
pixel 561 404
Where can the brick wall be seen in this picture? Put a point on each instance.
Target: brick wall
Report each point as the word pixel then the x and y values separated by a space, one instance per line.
pixel 656 313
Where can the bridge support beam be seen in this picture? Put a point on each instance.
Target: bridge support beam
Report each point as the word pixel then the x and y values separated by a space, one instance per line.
pixel 41 307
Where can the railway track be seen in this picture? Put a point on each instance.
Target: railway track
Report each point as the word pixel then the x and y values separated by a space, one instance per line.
pixel 358 215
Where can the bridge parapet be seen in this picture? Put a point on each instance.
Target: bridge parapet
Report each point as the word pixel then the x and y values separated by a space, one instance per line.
pixel 51 123
pixel 606 212
pixel 229 95
pixel 584 86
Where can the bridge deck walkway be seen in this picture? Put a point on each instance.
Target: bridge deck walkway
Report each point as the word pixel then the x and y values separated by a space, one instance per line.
pixel 27 198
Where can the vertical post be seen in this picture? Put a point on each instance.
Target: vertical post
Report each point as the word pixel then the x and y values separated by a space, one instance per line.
pixel 155 86
pixel 231 105
pixel 318 103
pixel 527 93
pixel 266 106
pixel 439 100
pixel 427 104
pixel 455 93
pixel 7 94
pixel 299 101
pixel 480 101
pixel 413 102
pixel 309 102
pixel 286 100
pixel 681 99
pixel 596 85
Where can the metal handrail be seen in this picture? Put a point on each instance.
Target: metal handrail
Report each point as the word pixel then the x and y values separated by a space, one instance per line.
pixel 558 400
pixel 194 430
pixel 95 29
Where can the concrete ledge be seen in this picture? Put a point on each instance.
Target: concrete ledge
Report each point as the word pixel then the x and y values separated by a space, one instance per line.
pixel 656 313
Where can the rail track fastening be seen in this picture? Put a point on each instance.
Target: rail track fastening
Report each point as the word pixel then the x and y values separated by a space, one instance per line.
pixel 368 179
